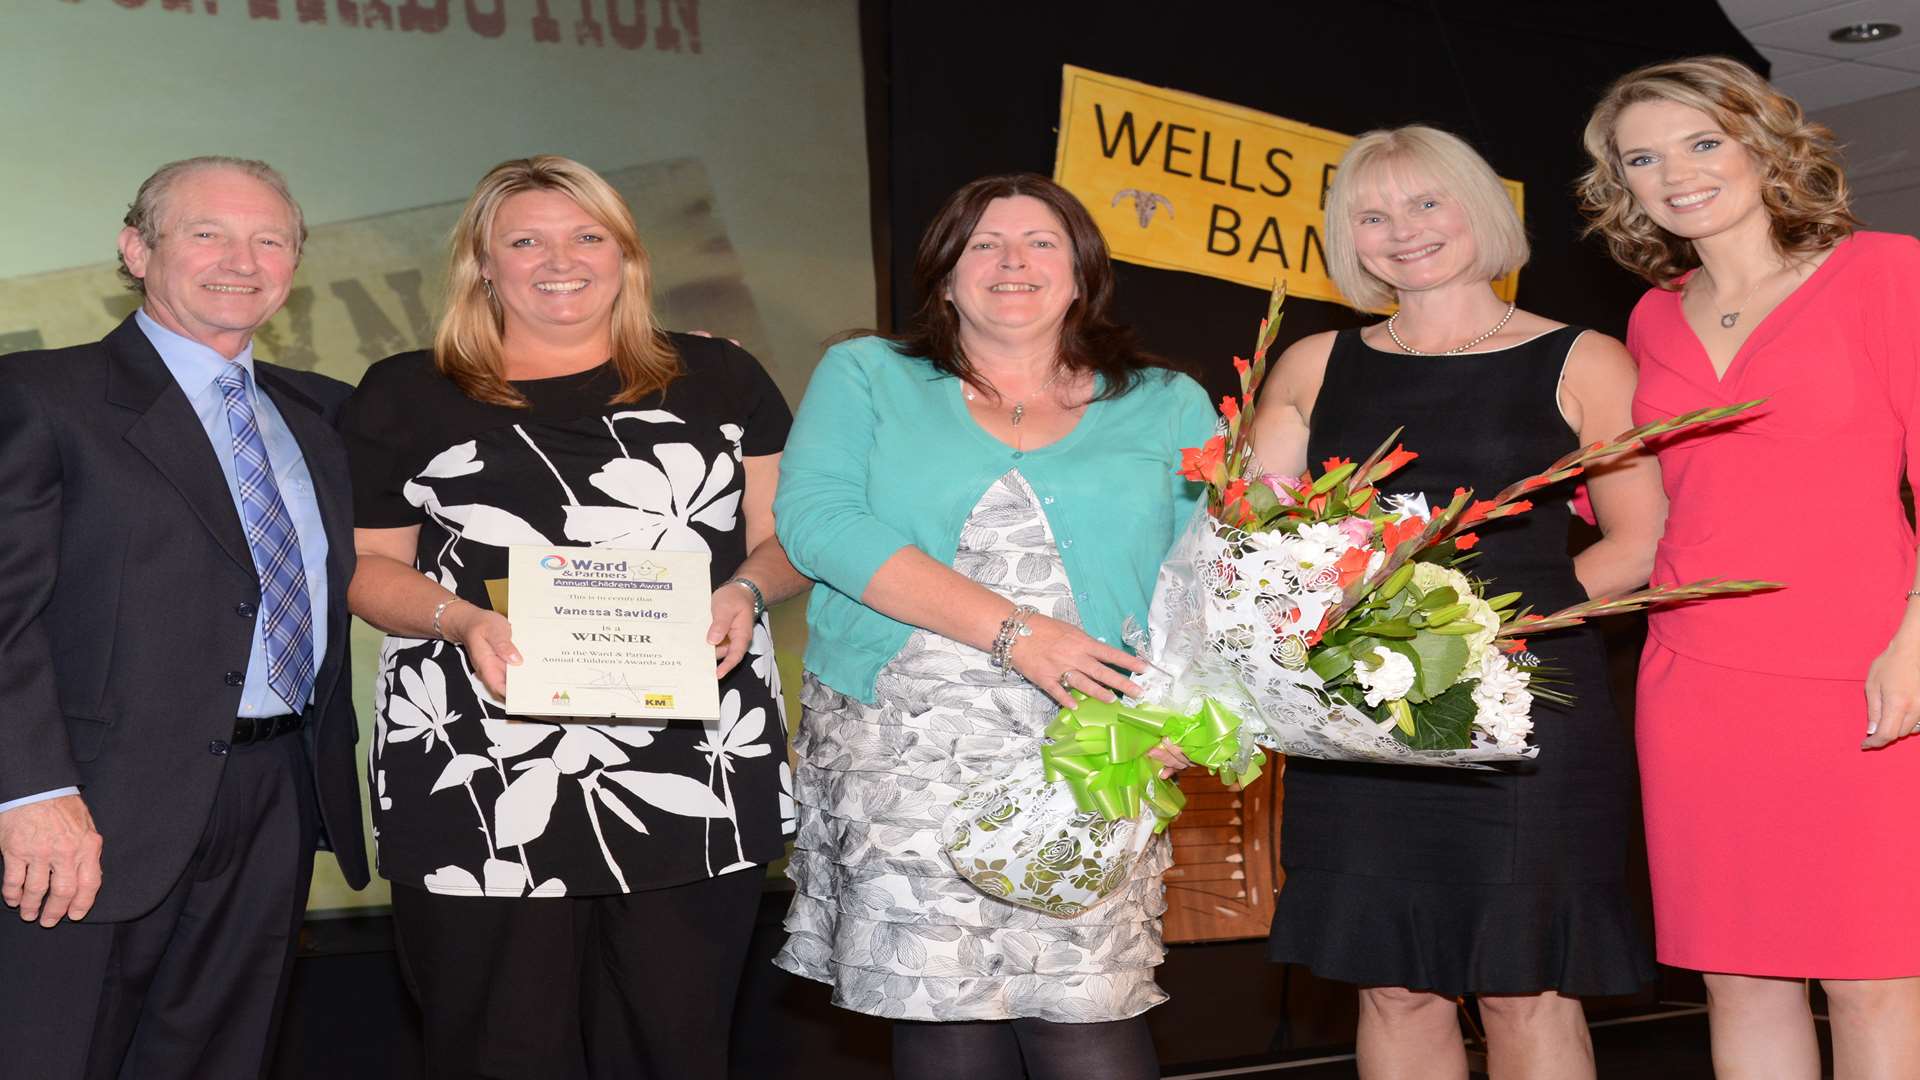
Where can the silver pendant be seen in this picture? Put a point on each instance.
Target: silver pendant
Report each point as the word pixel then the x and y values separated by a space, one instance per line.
pixel 1019 411
pixel 1728 320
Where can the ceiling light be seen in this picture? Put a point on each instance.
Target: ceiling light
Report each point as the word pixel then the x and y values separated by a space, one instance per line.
pixel 1865 33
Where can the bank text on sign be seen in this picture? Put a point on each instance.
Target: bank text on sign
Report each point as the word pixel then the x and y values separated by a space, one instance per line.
pixel 1183 182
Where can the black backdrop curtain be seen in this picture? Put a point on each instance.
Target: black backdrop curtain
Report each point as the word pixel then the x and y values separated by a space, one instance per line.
pixel 958 91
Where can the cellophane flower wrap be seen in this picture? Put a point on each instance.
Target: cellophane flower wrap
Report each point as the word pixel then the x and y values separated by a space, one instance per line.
pixel 1309 614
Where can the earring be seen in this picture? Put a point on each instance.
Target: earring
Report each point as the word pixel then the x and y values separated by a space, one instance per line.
pixel 486 284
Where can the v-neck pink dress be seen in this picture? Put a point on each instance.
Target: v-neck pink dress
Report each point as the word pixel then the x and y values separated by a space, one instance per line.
pixel 1777 846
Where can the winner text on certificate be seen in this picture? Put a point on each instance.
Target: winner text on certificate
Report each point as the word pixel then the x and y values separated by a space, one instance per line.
pixel 611 633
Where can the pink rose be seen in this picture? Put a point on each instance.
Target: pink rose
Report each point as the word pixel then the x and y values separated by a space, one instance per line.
pixel 1282 487
pixel 1357 530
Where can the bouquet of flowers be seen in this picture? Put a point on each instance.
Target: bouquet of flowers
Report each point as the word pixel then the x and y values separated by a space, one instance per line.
pixel 1309 614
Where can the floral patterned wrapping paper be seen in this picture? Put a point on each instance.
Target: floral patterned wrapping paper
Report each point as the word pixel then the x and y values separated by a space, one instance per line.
pixel 1023 840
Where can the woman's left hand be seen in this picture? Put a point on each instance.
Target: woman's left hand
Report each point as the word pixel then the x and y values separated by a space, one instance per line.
pixel 1171 756
pixel 732 629
pixel 1893 695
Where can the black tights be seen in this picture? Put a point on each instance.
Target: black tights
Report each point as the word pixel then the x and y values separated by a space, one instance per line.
pixel 1034 1049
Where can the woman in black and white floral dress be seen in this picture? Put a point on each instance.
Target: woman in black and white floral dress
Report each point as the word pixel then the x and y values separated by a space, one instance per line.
pixel 565 893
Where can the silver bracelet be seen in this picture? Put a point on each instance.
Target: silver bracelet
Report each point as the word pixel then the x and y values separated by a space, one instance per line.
pixel 1012 628
pixel 440 609
pixel 759 598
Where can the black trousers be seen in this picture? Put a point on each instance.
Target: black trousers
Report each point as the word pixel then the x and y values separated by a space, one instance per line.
pixel 192 990
pixel 565 988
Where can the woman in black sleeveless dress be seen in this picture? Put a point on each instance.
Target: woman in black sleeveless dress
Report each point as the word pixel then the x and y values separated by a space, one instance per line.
pixel 1425 884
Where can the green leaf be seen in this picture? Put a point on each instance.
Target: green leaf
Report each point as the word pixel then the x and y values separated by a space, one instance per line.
pixel 1444 723
pixel 1261 499
pixel 1439 598
pixel 1388 628
pixel 1504 600
pixel 1442 659
pixel 1330 662
pixel 1326 482
pixel 1396 581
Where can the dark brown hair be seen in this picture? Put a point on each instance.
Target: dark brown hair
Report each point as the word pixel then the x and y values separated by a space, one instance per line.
pixel 1090 339
pixel 1802 185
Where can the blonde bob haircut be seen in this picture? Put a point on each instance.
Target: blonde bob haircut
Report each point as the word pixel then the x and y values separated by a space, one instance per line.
pixel 1801 183
pixel 469 346
pixel 1419 158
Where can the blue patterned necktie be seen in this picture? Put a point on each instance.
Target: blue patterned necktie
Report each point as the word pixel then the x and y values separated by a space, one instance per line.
pixel 276 550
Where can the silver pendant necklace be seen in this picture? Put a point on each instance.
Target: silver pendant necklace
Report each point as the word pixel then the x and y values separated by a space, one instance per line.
pixel 1457 349
pixel 1020 407
pixel 1731 319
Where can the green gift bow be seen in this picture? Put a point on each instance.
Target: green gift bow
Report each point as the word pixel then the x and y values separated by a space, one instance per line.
pixel 1100 751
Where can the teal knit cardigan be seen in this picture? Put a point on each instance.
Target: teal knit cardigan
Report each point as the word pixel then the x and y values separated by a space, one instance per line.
pixel 883 455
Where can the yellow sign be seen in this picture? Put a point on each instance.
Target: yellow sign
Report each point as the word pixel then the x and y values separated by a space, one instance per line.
pixel 1184 182
pixel 659 701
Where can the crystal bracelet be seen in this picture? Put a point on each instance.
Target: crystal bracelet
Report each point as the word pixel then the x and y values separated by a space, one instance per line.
pixel 1012 629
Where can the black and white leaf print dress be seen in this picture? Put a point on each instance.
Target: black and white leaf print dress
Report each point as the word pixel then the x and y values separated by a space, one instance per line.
pixel 878 913
pixel 470 802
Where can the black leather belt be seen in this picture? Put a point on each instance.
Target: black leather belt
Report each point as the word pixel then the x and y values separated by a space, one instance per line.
pixel 253 729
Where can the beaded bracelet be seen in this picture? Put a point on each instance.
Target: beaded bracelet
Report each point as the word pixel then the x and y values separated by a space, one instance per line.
pixel 1012 629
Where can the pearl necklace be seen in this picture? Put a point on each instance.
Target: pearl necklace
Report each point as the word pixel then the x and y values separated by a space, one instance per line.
pixel 1456 350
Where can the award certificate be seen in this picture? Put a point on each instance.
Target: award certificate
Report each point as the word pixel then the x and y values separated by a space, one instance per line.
pixel 610 632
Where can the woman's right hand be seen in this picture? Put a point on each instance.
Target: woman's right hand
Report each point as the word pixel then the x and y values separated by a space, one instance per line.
pixel 488 638
pixel 1056 649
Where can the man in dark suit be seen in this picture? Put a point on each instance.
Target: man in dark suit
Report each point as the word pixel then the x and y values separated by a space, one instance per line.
pixel 176 717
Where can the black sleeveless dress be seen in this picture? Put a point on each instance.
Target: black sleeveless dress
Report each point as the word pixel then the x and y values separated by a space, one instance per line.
pixel 1458 880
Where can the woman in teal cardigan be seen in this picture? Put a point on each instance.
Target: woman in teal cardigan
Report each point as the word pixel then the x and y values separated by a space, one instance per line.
pixel 985 502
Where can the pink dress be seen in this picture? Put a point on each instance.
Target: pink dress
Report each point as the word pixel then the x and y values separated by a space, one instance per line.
pixel 1777 846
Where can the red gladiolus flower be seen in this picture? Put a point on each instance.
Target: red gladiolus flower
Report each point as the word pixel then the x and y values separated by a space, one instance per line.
pixel 1333 463
pixel 1242 367
pixel 1514 645
pixel 1512 508
pixel 1533 482
pixel 1395 533
pixel 1200 464
pixel 1393 462
pixel 1352 565
pixel 1465 541
pixel 1229 408
pixel 1476 511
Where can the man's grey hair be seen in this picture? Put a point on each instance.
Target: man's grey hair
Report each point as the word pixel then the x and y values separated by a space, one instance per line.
pixel 148 209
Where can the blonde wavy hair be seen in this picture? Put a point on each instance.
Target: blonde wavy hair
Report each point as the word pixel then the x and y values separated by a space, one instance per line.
pixel 1418 154
pixel 1802 184
pixel 469 346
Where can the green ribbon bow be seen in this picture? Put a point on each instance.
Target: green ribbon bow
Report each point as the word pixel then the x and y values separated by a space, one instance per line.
pixel 1100 751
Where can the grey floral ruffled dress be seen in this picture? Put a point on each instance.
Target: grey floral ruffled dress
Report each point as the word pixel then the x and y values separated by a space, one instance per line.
pixel 878 912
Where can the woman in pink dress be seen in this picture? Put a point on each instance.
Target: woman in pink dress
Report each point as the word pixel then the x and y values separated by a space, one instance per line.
pixel 1779 769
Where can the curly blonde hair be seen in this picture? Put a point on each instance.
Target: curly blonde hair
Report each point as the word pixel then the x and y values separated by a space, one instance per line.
pixel 469 347
pixel 1802 184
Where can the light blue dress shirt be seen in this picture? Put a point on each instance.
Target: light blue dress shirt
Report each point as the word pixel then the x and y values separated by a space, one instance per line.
pixel 194 367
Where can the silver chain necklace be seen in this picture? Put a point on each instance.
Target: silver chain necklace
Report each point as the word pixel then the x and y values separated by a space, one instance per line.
pixel 1731 319
pixel 1020 407
pixel 1457 349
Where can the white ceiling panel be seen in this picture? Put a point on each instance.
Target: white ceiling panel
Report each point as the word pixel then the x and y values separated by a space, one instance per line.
pixel 1907 59
pixel 1837 84
pixel 1808 33
pixel 1793 36
pixel 1791 62
pixel 1746 13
